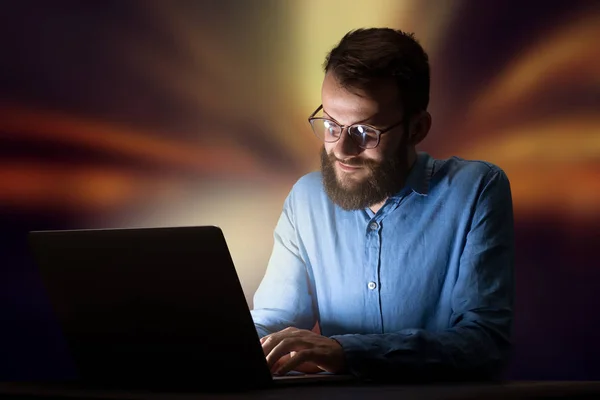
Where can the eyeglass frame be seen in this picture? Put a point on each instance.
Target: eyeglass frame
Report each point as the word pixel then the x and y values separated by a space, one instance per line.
pixel 347 127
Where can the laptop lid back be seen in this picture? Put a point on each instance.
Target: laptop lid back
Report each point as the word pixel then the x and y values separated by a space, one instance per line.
pixel 151 307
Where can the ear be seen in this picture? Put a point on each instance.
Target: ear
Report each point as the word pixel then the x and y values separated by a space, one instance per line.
pixel 419 127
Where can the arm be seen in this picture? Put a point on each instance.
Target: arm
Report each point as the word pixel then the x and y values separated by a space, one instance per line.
pixel 284 298
pixel 477 343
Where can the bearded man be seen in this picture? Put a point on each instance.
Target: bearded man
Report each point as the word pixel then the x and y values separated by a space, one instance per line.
pixel 405 262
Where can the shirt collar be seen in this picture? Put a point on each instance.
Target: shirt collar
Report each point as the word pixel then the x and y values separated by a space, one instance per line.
pixel 419 176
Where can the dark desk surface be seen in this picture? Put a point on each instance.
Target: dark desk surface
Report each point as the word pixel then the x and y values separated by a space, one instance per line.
pixel 510 390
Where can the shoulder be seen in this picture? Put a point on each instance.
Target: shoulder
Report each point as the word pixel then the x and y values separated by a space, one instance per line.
pixel 467 180
pixel 308 186
pixel 459 166
pixel 310 183
pixel 307 192
pixel 458 171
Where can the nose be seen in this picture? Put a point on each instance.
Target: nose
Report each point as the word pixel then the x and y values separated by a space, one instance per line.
pixel 345 146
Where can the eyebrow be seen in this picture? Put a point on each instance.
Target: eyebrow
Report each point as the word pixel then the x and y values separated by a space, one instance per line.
pixel 364 121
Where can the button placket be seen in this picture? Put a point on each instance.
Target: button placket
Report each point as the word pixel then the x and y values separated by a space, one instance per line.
pixel 373 249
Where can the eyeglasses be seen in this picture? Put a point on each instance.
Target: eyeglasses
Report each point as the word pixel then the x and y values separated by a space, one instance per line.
pixel 365 136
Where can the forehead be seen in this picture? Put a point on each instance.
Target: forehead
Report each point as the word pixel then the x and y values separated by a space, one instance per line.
pixel 349 105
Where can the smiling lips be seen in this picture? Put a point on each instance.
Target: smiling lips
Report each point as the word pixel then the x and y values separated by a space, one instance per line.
pixel 348 168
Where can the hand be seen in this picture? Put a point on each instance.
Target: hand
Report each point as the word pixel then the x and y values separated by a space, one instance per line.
pixel 302 350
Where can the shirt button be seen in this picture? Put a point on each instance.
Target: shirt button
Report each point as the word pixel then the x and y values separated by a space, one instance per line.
pixel 372 285
pixel 373 225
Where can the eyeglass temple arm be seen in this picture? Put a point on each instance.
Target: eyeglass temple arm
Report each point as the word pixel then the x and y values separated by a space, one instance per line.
pixel 316 111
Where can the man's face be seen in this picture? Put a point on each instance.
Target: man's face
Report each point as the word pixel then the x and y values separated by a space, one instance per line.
pixel 357 178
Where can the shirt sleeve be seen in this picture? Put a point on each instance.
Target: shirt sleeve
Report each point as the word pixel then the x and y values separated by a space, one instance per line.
pixel 477 343
pixel 284 298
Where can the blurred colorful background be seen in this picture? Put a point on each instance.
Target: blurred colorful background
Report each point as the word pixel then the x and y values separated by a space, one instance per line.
pixel 166 113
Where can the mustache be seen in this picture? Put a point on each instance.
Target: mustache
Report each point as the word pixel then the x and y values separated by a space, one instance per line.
pixel 354 161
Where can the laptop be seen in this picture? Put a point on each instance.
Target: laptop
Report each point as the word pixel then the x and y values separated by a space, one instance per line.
pixel 153 308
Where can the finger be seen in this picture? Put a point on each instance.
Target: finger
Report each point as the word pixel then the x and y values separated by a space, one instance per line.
pixel 270 341
pixel 263 340
pixel 279 363
pixel 301 357
pixel 286 346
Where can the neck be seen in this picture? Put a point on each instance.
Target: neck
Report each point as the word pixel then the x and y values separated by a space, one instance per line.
pixel 377 207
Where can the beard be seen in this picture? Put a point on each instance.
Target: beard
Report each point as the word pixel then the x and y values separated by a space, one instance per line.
pixel 383 180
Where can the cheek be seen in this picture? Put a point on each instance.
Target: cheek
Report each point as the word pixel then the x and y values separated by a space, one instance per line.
pixel 329 147
pixel 393 147
pixel 373 154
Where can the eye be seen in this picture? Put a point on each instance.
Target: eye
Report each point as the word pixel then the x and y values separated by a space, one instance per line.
pixel 330 126
pixel 364 132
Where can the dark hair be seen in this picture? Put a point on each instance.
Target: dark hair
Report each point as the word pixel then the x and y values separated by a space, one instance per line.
pixel 366 55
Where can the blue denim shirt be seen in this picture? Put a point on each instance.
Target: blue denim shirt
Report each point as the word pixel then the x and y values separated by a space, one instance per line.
pixel 424 285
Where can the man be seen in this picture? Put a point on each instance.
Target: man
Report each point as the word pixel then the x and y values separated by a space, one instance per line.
pixel 404 261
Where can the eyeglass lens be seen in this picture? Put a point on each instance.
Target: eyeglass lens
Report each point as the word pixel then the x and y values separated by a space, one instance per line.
pixel 328 131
